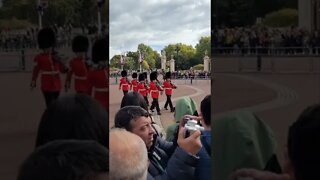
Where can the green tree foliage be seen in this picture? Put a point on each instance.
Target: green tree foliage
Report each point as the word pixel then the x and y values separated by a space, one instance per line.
pixel 233 13
pixel 58 12
pixel 149 55
pixel 198 67
pixel 282 18
pixel 182 57
pixel 203 46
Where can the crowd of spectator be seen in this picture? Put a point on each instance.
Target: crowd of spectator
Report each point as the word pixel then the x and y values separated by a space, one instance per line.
pixel 15 40
pixel 266 40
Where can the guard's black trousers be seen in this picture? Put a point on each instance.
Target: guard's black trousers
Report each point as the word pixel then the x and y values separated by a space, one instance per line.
pixel 50 96
pixel 155 104
pixel 168 102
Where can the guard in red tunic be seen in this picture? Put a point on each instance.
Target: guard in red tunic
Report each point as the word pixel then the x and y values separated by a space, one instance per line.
pixel 77 65
pixel 98 76
pixel 48 66
pixel 124 82
pixel 168 86
pixel 143 88
pixel 155 89
pixel 134 82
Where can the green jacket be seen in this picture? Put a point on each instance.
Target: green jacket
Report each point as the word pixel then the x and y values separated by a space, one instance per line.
pixel 184 106
pixel 241 140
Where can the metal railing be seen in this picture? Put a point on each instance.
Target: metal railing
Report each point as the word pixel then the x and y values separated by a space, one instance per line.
pixel 266 51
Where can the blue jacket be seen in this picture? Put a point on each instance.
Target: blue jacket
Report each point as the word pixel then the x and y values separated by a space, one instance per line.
pixel 204 168
pixel 167 161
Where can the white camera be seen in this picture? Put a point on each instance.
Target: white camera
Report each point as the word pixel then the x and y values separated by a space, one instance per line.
pixel 192 126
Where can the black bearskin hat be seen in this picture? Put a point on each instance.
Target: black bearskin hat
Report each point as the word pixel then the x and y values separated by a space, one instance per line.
pixel 80 44
pixel 141 77
pixel 145 75
pixel 46 38
pixel 153 75
pixel 134 75
pixel 124 73
pixel 168 75
pixel 100 50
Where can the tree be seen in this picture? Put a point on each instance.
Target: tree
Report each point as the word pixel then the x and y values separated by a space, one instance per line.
pixel 149 54
pixel 203 46
pixel 186 52
pixel 282 18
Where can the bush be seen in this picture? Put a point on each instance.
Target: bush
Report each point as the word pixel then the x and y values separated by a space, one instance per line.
pixel 282 18
pixel 15 23
pixel 198 67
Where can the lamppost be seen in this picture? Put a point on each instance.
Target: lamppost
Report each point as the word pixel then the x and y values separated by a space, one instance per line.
pixel 141 58
pixel 177 50
pixel 122 59
pixel 100 4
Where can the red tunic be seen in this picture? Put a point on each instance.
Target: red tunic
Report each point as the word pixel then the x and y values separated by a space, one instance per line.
pixel 98 81
pixel 50 72
pixel 124 84
pixel 167 86
pixel 154 91
pixel 142 89
pixel 134 85
pixel 79 69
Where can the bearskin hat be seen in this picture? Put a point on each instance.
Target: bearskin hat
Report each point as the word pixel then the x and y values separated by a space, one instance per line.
pixel 145 75
pixel 168 75
pixel 124 73
pixel 80 44
pixel 134 75
pixel 141 77
pixel 153 75
pixel 100 50
pixel 46 38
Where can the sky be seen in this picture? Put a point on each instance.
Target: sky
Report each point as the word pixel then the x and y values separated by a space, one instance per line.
pixel 157 23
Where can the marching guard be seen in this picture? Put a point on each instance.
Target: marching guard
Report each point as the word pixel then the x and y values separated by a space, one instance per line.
pixel 98 76
pixel 48 66
pixel 124 82
pixel 77 65
pixel 168 86
pixel 143 87
pixel 134 82
pixel 154 91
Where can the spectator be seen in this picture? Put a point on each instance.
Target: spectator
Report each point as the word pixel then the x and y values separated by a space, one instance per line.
pixel 75 116
pixel 66 160
pixel 242 140
pixel 184 106
pixel 167 161
pixel 136 99
pixel 302 160
pixel 128 156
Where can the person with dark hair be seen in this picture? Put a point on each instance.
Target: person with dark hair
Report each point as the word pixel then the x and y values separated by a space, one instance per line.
pixel 136 99
pixel 154 91
pixel 133 99
pixel 74 116
pixel 66 160
pixel 204 168
pixel 143 87
pixel 124 82
pixel 168 86
pixel 98 77
pixel 77 65
pixel 167 160
pixel 134 82
pixel 48 66
pixel 304 145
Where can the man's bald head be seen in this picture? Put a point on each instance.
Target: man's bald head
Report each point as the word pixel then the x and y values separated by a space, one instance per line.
pixel 128 156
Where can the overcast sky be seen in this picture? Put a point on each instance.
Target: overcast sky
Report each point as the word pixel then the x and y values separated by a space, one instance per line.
pixel 157 23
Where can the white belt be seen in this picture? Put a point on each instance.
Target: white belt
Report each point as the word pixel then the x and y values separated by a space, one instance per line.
pixel 154 91
pixel 167 88
pixel 101 89
pixel 50 72
pixel 80 77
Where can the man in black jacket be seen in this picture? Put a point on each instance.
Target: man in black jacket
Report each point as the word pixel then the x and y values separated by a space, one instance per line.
pixel 167 160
